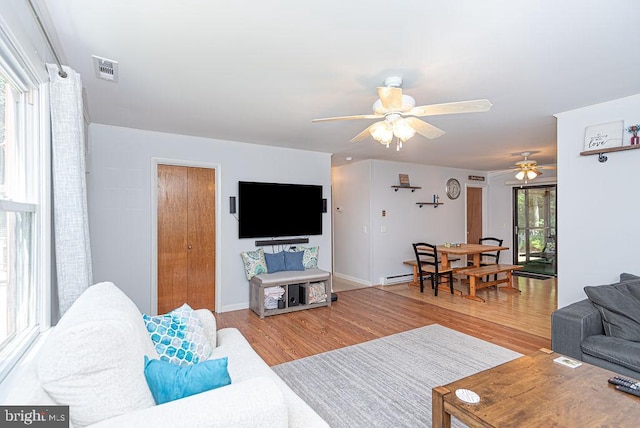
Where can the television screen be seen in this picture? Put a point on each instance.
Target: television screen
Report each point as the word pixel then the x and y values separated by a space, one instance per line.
pixel 273 209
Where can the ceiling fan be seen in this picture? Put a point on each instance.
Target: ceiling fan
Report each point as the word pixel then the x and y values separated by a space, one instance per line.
pixel 400 115
pixel 527 169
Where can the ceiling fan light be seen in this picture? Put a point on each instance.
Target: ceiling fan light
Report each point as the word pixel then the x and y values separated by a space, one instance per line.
pixel 379 129
pixel 531 175
pixel 520 175
pixel 387 137
pixel 403 130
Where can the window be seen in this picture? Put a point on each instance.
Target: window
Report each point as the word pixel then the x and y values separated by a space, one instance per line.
pixel 22 285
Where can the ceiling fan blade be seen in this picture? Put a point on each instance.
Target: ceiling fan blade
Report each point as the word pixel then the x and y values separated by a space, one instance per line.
pixel 423 128
pixel 474 106
pixel 361 136
pixel 361 116
pixel 390 97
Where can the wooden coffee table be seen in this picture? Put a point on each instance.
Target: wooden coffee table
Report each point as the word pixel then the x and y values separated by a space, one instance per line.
pixel 535 391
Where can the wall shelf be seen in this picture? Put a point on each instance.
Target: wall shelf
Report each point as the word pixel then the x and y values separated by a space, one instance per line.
pixel 412 188
pixel 435 204
pixel 602 157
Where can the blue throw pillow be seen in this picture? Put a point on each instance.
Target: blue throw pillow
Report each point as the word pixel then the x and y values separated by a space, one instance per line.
pixel 275 262
pixel 293 260
pixel 169 382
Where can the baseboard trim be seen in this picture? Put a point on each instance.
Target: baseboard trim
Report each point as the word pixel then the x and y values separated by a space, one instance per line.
pixel 532 275
pixel 351 278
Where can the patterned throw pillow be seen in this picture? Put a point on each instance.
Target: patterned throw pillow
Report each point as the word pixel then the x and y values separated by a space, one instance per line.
pixel 254 262
pixel 310 258
pixel 178 336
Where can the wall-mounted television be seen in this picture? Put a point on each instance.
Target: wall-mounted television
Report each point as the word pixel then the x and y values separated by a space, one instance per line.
pixel 275 209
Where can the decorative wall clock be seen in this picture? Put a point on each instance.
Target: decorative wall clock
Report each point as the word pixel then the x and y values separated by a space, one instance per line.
pixel 453 188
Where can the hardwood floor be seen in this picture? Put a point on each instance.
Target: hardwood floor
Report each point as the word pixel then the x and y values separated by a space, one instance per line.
pixel 369 313
pixel 529 311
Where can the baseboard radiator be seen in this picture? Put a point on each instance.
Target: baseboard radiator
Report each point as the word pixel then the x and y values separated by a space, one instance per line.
pixel 396 279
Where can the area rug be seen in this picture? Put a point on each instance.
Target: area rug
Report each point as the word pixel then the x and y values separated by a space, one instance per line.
pixel 387 382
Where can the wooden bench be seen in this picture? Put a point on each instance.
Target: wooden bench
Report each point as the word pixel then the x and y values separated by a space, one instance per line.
pixel 414 264
pixel 476 274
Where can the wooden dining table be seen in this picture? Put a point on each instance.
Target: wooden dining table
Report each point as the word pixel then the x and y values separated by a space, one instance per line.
pixel 473 250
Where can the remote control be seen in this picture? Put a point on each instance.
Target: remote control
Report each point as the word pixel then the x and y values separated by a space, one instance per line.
pixel 625 381
pixel 631 391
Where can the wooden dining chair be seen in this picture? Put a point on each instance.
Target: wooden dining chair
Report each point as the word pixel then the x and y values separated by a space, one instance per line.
pixel 493 258
pixel 429 267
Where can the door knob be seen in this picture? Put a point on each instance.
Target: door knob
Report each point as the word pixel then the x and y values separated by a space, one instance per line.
pixel 189 247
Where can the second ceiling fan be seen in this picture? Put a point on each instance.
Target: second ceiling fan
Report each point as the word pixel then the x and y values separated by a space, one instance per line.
pixel 400 115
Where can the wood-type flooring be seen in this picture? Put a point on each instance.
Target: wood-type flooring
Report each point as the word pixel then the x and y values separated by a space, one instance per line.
pixel 520 322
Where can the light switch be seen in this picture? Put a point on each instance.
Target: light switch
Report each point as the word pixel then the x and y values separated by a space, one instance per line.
pixel 383 229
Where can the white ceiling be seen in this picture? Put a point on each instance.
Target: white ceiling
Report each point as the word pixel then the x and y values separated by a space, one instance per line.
pixel 259 71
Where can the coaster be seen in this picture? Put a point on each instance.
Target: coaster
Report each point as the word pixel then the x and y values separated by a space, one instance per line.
pixel 468 396
pixel 569 362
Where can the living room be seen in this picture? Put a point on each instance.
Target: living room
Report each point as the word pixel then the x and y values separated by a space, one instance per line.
pixel 596 206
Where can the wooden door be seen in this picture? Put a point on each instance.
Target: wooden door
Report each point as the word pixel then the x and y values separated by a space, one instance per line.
pixel 201 238
pixel 186 237
pixel 474 214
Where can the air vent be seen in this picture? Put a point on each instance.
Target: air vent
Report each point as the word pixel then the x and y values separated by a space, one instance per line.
pixel 106 69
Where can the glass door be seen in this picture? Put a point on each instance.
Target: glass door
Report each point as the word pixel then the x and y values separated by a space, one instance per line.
pixel 534 220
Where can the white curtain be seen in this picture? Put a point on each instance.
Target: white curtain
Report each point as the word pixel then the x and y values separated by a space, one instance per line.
pixel 71 222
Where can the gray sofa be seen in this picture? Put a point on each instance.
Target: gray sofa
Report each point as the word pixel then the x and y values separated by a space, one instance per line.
pixel 603 329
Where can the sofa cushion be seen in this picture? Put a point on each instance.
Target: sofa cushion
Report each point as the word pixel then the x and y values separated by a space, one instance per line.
pixel 628 277
pixel 93 360
pixel 617 351
pixel 245 365
pixel 208 322
pixel 619 306
pixel 170 382
pixel 254 262
pixel 178 336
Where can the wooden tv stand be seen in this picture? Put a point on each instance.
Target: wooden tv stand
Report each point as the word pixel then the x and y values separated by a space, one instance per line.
pixel 283 279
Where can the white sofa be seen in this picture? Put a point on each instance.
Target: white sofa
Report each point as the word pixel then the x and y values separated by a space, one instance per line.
pixel 93 361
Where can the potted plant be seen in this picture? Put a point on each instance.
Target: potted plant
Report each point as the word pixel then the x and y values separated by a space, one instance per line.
pixel 634 130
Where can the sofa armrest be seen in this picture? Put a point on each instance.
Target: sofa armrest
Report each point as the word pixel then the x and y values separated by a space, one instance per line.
pixel 572 324
pixel 208 321
pixel 251 403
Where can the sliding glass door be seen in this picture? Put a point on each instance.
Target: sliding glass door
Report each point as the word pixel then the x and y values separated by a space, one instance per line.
pixel 534 221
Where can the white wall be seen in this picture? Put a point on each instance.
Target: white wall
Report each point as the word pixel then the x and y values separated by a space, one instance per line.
pixel 363 190
pixel 121 205
pixel 500 211
pixel 598 205
pixel 351 189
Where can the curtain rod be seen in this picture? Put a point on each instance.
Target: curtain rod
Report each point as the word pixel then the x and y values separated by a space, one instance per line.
pixel 61 72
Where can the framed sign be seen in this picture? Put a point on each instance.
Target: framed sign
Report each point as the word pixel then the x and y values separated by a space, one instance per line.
pixel 605 135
